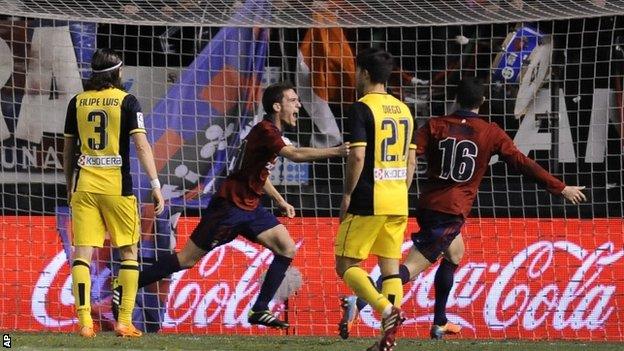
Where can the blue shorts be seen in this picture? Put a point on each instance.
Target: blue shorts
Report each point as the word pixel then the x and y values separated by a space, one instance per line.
pixel 437 231
pixel 222 221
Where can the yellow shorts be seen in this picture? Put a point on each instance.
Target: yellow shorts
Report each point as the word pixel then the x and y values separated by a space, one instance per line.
pixel 95 214
pixel 359 236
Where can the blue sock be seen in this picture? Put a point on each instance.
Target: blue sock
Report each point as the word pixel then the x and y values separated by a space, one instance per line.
pixel 273 279
pixel 167 264
pixel 443 284
pixel 405 278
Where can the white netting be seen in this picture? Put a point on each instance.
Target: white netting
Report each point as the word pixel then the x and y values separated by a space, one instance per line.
pixel 555 75
pixel 299 13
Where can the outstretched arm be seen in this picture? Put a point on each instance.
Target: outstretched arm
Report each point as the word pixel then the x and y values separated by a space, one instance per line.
pixel 302 154
pixel 531 169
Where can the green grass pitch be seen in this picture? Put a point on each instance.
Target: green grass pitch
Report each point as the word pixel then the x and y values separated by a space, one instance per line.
pixel 108 341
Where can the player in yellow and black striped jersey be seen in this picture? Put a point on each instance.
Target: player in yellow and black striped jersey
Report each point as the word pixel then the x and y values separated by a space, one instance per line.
pixel 100 121
pixel 373 212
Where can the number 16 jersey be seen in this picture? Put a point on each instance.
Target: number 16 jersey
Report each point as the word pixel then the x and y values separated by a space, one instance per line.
pixel 385 126
pixel 103 121
pixel 458 149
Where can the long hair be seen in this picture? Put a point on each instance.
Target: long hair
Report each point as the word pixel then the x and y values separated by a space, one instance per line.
pixel 103 59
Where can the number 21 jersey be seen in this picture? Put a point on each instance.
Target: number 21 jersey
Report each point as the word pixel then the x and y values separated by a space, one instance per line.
pixel 103 121
pixel 384 125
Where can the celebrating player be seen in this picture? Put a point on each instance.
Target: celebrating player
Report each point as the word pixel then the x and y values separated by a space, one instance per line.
pixel 458 148
pixel 102 119
pixel 235 208
pixel 373 213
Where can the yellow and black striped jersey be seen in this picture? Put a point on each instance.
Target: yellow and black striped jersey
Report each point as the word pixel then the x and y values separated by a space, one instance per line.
pixel 102 122
pixel 385 126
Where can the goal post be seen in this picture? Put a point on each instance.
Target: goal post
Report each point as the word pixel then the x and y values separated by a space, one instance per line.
pixel 535 267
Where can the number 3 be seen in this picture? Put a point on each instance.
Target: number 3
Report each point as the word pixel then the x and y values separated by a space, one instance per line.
pixel 458 159
pixel 101 120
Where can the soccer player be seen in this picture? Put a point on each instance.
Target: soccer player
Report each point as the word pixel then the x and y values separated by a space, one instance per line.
pixel 235 208
pixel 374 208
pixel 102 119
pixel 458 148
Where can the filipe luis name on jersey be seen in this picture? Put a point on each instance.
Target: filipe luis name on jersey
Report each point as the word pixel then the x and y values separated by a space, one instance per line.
pixel 98 102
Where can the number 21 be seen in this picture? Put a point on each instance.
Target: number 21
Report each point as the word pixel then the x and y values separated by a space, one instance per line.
pixel 391 124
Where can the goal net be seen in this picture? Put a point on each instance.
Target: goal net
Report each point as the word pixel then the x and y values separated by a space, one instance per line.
pixel 535 267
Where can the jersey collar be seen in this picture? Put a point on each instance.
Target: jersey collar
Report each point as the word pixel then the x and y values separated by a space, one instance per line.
pixel 465 113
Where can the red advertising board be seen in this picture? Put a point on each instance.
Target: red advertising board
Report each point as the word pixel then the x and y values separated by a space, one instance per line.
pixel 520 278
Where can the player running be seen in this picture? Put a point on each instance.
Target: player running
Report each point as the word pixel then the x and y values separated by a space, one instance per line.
pixel 235 209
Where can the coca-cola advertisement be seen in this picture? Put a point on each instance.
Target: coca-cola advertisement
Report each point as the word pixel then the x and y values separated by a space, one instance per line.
pixel 520 278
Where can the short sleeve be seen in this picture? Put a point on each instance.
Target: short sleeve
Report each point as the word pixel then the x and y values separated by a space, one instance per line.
pixel 71 124
pixel 358 116
pixel 274 140
pixel 132 114
pixel 421 138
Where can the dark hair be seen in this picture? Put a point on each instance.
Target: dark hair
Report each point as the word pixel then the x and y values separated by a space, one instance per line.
pixel 470 93
pixel 103 59
pixel 274 93
pixel 377 62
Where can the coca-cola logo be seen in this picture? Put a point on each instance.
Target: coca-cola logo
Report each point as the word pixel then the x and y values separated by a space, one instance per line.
pixel 531 289
pixel 548 284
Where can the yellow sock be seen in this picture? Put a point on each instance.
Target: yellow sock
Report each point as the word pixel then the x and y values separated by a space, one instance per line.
pixel 392 289
pixel 361 284
pixel 81 288
pixel 129 284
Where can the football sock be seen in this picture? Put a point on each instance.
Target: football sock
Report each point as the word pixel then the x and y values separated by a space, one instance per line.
pixel 362 285
pixel 443 283
pixel 405 278
pixel 81 288
pixel 165 266
pixel 392 289
pixel 273 279
pixel 128 279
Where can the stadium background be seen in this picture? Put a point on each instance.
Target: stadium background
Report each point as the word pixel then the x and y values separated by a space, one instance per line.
pixel 200 86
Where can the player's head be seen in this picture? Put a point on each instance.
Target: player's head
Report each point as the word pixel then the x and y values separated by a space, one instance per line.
pixel 282 103
pixel 374 66
pixel 106 67
pixel 470 93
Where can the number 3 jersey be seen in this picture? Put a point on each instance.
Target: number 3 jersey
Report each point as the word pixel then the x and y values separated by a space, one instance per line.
pixel 384 125
pixel 458 149
pixel 103 121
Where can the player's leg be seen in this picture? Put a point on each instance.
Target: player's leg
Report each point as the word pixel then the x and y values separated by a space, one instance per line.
pixel 265 229
pixel 438 232
pixel 88 232
pixel 122 222
pixel 171 262
pixel 214 228
pixel 387 248
pixel 443 284
pixel 81 289
pixel 126 290
pixel 356 236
